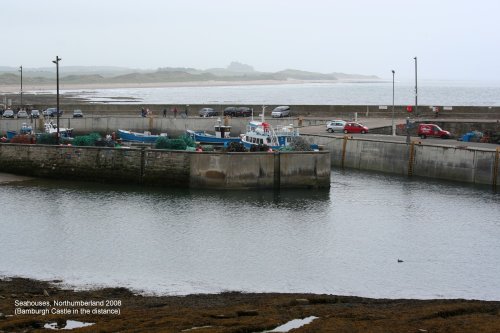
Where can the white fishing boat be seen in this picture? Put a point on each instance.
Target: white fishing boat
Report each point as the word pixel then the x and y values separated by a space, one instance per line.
pixel 50 128
pixel 262 133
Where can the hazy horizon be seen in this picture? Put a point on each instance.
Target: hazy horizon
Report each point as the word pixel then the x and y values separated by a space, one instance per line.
pixel 453 40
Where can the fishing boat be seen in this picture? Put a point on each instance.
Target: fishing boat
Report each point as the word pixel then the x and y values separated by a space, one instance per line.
pixel 51 128
pixel 145 137
pixel 262 133
pixel 25 129
pixel 221 136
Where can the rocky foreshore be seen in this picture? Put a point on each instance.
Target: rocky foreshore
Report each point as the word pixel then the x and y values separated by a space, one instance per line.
pixel 40 305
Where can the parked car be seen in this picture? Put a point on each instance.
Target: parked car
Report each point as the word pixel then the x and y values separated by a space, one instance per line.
pixel 22 114
pixel 52 112
pixel 238 111
pixel 35 114
pixel 77 113
pixel 352 127
pixel 8 114
pixel 335 125
pixel 208 112
pixel 281 111
pixel 432 130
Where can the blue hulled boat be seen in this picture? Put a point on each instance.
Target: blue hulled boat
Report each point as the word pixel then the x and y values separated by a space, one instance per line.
pixel 145 137
pixel 221 136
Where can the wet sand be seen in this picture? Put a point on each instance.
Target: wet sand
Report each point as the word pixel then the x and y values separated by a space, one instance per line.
pixel 9 178
pixel 239 312
pixel 27 88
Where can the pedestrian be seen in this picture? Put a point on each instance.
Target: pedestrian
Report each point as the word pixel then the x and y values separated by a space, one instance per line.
pixel 143 112
pixel 175 112
pixel 186 111
pixel 165 113
pixel 436 111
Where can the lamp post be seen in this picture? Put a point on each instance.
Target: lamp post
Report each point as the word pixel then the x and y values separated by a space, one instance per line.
pixel 57 80
pixel 21 70
pixel 393 128
pixel 416 91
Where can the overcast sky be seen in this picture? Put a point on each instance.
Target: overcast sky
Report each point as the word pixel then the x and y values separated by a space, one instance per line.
pixel 452 39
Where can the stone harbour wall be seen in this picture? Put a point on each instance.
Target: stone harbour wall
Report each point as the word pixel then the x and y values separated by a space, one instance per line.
pixel 170 168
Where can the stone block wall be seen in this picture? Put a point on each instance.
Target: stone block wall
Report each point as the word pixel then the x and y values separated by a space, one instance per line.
pixel 169 168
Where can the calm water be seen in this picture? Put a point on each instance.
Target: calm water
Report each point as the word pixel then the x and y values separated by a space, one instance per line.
pixel 443 93
pixel 343 241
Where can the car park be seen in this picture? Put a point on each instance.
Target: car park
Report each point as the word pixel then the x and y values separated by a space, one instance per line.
pixel 208 112
pixel 22 114
pixel 335 126
pixel 238 111
pixel 35 114
pixel 353 127
pixel 8 114
pixel 432 130
pixel 281 111
pixel 77 113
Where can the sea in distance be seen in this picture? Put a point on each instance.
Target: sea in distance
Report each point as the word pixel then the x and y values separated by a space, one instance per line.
pixel 346 240
pixel 439 93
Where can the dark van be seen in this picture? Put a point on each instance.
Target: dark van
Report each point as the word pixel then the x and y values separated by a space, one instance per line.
pixel 238 111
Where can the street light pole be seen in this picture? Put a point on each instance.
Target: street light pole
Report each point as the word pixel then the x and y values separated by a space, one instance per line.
pixel 21 70
pixel 393 128
pixel 416 91
pixel 57 80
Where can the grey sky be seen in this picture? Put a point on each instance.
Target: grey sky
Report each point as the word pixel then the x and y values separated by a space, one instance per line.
pixel 453 39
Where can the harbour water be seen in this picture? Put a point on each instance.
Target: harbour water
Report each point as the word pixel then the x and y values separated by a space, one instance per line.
pixel 346 240
pixel 442 93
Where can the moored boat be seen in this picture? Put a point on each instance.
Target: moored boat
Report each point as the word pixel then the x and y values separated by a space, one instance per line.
pixel 262 133
pixel 51 128
pixel 221 136
pixel 145 137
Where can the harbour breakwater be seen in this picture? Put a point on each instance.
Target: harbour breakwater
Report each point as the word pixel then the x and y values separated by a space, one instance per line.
pixel 177 126
pixel 170 168
pixel 454 163
pixel 302 110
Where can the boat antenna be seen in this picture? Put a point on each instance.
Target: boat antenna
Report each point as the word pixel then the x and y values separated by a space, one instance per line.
pixel 262 114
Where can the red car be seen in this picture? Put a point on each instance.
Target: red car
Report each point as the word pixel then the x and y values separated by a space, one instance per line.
pixel 351 127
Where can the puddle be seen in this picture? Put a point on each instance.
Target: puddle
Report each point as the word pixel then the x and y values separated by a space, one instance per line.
pixel 195 328
pixel 292 324
pixel 70 325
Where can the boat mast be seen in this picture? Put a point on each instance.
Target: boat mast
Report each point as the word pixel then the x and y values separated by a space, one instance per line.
pixel 262 114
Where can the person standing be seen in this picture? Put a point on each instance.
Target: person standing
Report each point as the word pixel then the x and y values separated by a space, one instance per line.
pixel 175 112
pixel 165 113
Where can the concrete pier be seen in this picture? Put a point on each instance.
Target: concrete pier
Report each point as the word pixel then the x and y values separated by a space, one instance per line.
pixel 447 162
